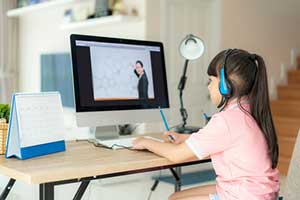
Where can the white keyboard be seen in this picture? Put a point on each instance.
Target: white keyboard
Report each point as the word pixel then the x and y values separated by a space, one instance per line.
pixel 121 142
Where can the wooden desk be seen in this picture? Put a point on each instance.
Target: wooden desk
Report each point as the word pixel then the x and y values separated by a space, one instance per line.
pixel 82 162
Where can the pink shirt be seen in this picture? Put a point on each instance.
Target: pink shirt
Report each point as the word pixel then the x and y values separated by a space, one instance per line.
pixel 239 155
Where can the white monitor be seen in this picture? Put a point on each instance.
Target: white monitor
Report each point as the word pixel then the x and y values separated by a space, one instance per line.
pixel 117 81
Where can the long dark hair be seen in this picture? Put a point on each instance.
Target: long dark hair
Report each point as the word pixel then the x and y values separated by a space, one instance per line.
pixel 247 75
pixel 140 62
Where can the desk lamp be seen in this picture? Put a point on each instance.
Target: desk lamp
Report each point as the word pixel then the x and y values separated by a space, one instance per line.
pixel 191 48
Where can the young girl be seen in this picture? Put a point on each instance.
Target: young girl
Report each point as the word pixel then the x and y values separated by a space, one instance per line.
pixel 240 139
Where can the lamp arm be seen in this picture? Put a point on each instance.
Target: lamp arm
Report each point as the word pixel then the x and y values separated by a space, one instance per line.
pixel 181 87
pixel 183 78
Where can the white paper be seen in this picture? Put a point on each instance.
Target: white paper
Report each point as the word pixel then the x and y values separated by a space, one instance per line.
pixel 40 118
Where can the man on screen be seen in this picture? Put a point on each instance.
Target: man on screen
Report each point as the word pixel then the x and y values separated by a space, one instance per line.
pixel 143 80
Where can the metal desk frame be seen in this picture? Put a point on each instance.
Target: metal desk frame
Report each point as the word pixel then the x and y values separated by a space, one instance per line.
pixel 46 191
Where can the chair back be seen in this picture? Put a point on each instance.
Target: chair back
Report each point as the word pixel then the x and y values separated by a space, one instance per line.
pixel 292 189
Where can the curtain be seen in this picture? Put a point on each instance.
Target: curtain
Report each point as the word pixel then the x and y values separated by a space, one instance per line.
pixel 8 51
pixel 56 75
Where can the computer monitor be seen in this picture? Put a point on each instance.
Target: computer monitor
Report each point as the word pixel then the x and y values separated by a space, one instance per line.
pixel 117 81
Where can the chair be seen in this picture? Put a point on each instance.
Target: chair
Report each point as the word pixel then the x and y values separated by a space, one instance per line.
pixel 292 187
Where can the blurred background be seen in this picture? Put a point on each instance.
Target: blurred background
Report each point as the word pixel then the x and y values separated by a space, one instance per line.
pixel 35 56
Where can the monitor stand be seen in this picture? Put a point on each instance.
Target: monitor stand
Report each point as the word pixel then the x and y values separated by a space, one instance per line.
pixel 106 132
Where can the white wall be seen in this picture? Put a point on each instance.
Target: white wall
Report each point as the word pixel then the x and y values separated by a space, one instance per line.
pixel 269 28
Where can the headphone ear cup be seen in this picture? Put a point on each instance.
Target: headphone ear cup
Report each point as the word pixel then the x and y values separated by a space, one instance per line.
pixel 224 86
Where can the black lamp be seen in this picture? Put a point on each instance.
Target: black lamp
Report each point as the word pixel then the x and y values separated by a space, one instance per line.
pixel 190 48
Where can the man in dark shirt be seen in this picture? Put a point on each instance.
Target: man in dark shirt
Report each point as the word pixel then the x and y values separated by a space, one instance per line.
pixel 143 80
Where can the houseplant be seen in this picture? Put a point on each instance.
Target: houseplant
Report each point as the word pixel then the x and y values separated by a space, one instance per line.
pixel 4 112
pixel 4 118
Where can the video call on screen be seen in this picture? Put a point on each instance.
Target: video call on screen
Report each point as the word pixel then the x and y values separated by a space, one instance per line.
pixel 113 74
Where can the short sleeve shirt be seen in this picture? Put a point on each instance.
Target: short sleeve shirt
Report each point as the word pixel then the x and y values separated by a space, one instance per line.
pixel 239 155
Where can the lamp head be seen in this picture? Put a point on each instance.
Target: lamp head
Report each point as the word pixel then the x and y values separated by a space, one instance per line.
pixel 191 47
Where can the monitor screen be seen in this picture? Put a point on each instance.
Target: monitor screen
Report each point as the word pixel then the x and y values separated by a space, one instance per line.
pixel 118 74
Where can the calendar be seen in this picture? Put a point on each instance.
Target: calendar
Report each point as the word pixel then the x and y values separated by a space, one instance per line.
pixel 36 125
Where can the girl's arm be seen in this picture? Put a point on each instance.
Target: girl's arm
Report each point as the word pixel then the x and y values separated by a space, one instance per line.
pixel 173 152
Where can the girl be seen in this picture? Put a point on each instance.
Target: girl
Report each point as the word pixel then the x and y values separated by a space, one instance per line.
pixel 240 139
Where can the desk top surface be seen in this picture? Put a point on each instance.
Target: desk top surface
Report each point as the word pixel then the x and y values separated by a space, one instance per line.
pixel 81 159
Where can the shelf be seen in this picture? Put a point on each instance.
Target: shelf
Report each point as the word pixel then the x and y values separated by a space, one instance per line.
pixel 100 21
pixel 28 9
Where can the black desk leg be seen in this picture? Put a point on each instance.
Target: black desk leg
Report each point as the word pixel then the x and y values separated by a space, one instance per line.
pixel 7 189
pixel 178 185
pixel 177 175
pixel 46 191
pixel 81 190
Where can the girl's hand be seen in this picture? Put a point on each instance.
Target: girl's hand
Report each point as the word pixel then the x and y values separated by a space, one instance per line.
pixel 178 139
pixel 138 143
pixel 132 65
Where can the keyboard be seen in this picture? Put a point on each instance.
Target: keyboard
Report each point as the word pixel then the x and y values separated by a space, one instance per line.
pixel 121 142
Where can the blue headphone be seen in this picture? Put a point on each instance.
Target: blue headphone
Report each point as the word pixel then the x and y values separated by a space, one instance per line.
pixel 224 85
